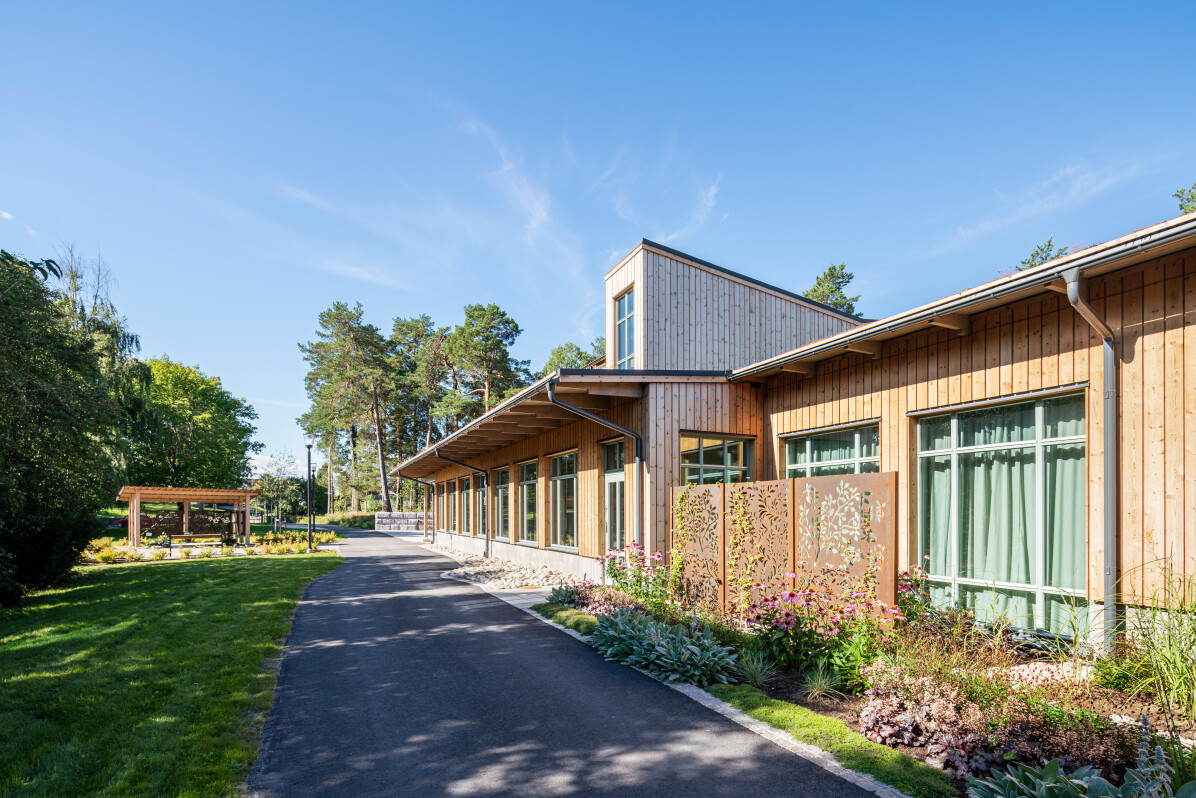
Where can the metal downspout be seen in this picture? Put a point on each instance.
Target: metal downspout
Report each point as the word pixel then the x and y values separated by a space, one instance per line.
pixel 440 456
pixel 1076 295
pixel 639 452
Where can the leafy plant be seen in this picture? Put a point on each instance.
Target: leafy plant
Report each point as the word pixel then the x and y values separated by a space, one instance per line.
pixel 672 653
pixel 756 667
pixel 1166 635
pixel 640 575
pixel 185 553
pixel 106 554
pixel 135 555
pixel 564 595
pixel 158 554
pixel 205 552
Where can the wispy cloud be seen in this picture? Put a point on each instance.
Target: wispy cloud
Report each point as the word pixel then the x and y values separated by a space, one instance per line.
pixel 707 199
pixel 6 216
pixel 368 274
pixel 1068 187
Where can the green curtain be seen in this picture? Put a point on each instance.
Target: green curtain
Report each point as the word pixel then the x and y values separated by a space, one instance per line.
pixel 1066 563
pixel 997 524
pixel 936 511
pixel 832 446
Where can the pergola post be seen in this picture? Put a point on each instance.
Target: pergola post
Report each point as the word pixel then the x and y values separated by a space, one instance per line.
pixel 425 512
pixel 135 519
pixel 187 517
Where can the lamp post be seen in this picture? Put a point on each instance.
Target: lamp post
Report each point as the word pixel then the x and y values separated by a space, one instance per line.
pixel 309 439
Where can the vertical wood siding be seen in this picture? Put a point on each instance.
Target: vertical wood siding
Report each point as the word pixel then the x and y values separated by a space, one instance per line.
pixel 688 316
pixel 1034 344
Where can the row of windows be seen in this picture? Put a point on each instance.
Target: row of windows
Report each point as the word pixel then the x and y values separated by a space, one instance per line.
pixel 453 501
pixel 1001 501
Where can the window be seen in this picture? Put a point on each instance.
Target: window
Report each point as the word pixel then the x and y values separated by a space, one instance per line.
pixel 563 490
pixel 1001 512
pixel 452 507
pixel 845 451
pixel 481 505
pixel 613 459
pixel 465 496
pixel 709 460
pixel 527 502
pixel 502 503
pixel 440 519
pixel 625 330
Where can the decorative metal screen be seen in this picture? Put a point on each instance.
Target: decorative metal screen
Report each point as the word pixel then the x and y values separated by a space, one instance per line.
pixel 161 522
pixel 734 536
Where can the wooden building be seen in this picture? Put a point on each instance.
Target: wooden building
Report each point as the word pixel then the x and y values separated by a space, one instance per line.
pixel 1042 426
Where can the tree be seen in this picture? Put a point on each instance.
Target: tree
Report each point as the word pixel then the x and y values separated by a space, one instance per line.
pixel 196 434
pixel 58 426
pixel 280 487
pixel 348 380
pixel 1042 253
pixel 1187 199
pixel 828 289
pixel 480 359
pixel 571 356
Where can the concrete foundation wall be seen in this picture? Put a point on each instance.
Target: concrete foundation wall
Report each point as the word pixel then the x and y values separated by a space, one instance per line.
pixel 563 561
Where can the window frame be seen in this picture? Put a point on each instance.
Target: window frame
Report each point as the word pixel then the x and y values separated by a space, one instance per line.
pixel 524 485
pixel 749 452
pixel 556 484
pixel 625 343
pixel 856 460
pixel 481 484
pixel 502 500
pixel 451 501
pixel 465 491
pixel 1037 587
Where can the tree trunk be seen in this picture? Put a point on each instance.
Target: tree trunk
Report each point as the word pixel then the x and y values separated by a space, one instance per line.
pixel 381 458
pixel 331 483
pixel 355 504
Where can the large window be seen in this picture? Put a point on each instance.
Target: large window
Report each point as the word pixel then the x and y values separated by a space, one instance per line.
pixel 1001 511
pixel 844 451
pixel 615 477
pixel 440 519
pixel 465 497
pixel 502 503
pixel 625 330
pixel 452 507
pixel 481 489
pixel 708 460
pixel 563 486
pixel 527 502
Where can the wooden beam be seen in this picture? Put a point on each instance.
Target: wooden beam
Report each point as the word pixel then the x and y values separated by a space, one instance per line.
pixel 631 391
pixel 588 402
pixel 865 348
pixel 800 369
pixel 959 322
pixel 1059 285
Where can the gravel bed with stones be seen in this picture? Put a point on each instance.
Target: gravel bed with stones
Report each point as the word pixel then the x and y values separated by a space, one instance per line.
pixel 498 572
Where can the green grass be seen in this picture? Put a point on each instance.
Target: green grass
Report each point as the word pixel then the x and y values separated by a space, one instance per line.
pixel 853 750
pixel 145 679
pixel 568 617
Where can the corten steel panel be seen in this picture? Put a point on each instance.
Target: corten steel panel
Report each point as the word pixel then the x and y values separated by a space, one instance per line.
pixel 759 553
pixel 798 525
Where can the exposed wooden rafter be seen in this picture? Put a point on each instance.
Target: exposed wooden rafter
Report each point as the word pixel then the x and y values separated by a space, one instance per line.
pixel 959 322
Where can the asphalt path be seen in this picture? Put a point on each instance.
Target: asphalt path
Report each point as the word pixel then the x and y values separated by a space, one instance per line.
pixel 396 682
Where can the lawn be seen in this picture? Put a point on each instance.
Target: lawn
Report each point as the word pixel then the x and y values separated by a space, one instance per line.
pixel 145 679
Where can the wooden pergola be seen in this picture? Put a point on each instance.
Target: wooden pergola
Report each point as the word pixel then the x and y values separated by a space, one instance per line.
pixel 135 495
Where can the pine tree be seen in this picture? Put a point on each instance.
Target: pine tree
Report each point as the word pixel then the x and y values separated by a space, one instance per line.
pixel 828 289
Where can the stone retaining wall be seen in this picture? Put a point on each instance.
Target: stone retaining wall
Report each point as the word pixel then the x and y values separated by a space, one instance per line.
pixel 399 522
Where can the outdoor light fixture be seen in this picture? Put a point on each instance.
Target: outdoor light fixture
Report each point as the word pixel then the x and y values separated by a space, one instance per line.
pixel 309 440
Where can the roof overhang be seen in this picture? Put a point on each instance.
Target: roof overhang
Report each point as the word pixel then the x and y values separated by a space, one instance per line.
pixel 530 412
pixel 953 312
pixel 160 494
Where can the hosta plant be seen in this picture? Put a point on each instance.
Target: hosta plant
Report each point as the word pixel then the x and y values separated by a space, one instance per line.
pixel 565 595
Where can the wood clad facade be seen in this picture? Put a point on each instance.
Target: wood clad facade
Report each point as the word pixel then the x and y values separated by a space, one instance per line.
pixel 689 315
pixel 1033 345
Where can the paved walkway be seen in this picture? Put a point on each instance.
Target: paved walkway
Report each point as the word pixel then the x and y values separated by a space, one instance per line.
pixel 396 682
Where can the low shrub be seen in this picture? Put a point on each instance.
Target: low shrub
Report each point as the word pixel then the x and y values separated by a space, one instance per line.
pixel 355 520
pixel 135 555
pixel 564 595
pixel 672 653
pixel 184 553
pixel 159 554
pixel 106 554
pixel 205 552
pixel 99 544
pixel 603 600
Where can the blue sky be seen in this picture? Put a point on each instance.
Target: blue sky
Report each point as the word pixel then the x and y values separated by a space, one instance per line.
pixel 241 166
